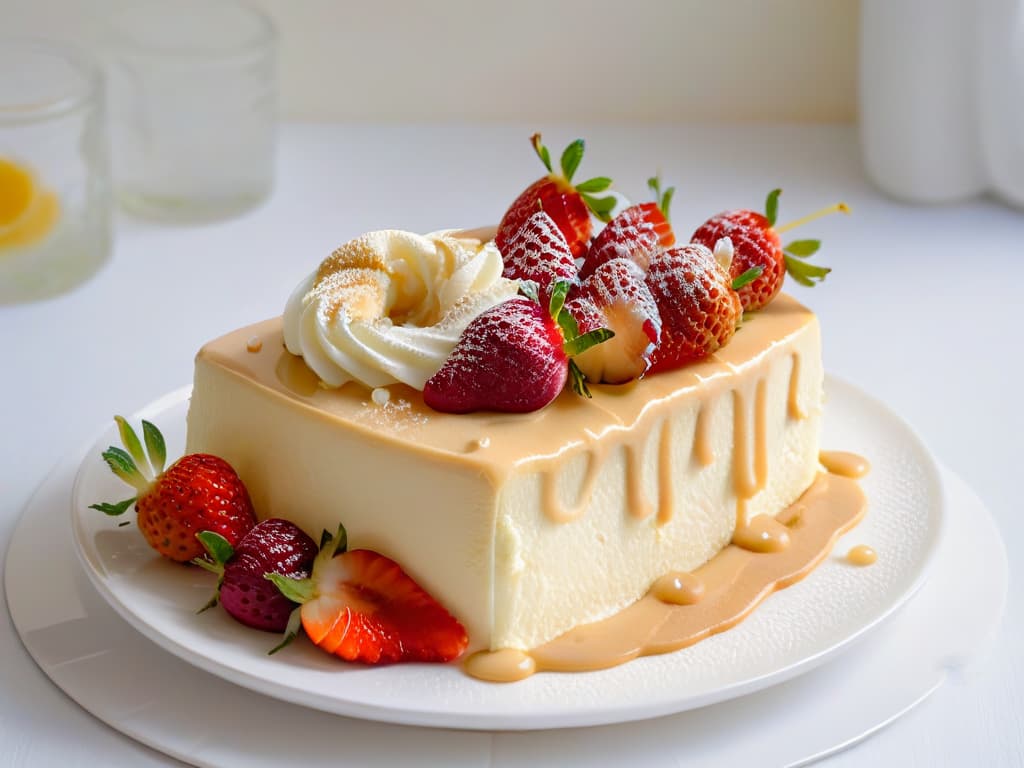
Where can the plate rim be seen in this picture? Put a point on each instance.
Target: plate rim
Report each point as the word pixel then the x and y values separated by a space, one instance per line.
pixel 475 720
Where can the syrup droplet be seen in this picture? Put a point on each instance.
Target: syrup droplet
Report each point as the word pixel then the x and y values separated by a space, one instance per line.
pixel 861 555
pixel 254 344
pixel 678 588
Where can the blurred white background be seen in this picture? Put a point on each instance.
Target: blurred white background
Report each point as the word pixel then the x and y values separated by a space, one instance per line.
pixel 537 59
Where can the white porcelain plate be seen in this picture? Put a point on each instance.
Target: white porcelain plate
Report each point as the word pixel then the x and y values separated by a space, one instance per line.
pixel 791 632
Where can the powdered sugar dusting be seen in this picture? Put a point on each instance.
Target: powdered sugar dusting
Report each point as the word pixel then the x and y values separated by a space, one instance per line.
pixel 538 251
pixel 637 234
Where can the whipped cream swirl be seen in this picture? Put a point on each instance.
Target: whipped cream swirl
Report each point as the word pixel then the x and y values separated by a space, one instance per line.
pixel 389 306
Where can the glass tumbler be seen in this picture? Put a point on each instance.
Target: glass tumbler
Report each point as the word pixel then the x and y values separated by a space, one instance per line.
pixel 192 101
pixel 54 171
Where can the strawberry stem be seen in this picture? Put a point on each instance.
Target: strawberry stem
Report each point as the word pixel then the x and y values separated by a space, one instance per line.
pixel 121 464
pixel 220 551
pixel 837 208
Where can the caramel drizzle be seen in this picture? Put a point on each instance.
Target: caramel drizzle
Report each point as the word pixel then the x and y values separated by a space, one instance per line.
pixel 702 437
pixel 750 462
pixel 795 411
pixel 750 456
pixel 684 608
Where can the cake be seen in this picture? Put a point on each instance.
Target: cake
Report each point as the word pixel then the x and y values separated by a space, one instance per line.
pixel 525 526
pixel 473 405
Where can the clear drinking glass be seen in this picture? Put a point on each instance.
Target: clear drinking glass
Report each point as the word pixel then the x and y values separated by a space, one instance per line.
pixel 192 100
pixel 54 170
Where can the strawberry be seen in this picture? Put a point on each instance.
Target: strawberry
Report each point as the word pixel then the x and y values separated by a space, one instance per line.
pixel 537 251
pixel 273 546
pixel 756 241
pixel 515 357
pixel 699 307
pixel 569 206
pixel 361 606
pixel 637 233
pixel 199 492
pixel 615 296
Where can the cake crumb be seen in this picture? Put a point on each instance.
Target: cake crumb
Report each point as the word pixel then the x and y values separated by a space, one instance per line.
pixel 380 396
pixel 254 344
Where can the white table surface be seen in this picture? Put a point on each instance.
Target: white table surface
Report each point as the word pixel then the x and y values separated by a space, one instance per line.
pixel 921 311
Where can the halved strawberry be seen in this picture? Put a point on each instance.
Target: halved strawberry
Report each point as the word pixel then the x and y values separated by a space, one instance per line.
pixel 756 241
pixel 199 492
pixel 515 357
pixel 361 606
pixel 699 307
pixel 616 297
pixel 537 251
pixel 637 233
pixel 568 205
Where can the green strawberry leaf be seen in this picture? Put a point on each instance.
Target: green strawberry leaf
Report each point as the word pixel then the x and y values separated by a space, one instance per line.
pixel 219 548
pixel 666 202
pixel 578 380
pixel 297 590
pixel 600 206
pixel 747 277
pixel 530 290
pixel 155 445
pixel 803 248
pixel 571 159
pixel 581 344
pixel 663 199
pixel 771 206
pixel 291 631
pixel 596 184
pixel 121 464
pixel 804 273
pixel 542 151
pixel 558 293
pixel 570 328
pixel 117 508
pixel 131 441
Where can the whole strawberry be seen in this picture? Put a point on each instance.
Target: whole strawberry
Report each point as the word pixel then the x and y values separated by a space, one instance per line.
pixel 756 241
pixel 199 492
pixel 537 252
pixel 273 546
pixel 637 234
pixel 515 357
pixel 699 307
pixel 361 606
pixel 568 205
pixel 616 297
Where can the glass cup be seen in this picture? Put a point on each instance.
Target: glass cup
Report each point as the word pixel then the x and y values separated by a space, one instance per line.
pixel 192 102
pixel 54 170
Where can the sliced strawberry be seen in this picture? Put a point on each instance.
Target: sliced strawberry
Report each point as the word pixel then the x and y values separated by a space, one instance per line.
pixel 699 307
pixel 273 546
pixel 616 297
pixel 361 606
pixel 199 492
pixel 569 206
pixel 637 233
pixel 537 251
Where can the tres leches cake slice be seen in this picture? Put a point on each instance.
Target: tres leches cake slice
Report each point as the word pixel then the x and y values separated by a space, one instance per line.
pixel 483 418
